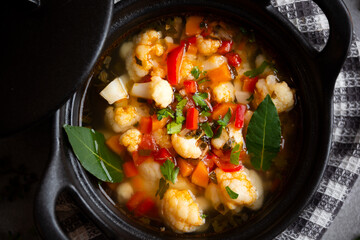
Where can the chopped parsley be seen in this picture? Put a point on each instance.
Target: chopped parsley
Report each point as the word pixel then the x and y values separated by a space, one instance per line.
pixel 223 122
pixel 196 72
pixel 232 194
pixel 173 127
pixel 179 111
pixel 235 155
pixel 250 98
pixel 163 113
pixel 202 81
pixel 163 187
pixel 178 97
pixel 205 114
pixel 257 71
pixel 218 132
pixel 199 99
pixel 169 171
pixel 207 129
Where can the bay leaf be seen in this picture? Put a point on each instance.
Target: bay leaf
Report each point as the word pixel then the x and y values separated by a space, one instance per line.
pixel 264 135
pixel 90 148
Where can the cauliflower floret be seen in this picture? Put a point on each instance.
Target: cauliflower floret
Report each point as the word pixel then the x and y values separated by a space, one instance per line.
pixel 235 135
pixel 161 92
pixel 121 118
pixel 184 184
pixel 185 71
pixel 239 183
pixel 187 148
pixel 280 93
pixel 180 211
pixel 124 192
pixel 140 59
pixel 257 182
pixel 126 49
pixel 131 139
pixel 207 46
pixel 224 92
pixel 162 138
pixel 150 172
pixel 213 62
pixel 213 194
pixel 219 142
pixel 158 89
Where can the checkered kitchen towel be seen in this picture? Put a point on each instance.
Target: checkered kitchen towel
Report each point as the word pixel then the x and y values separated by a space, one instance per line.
pixel 344 163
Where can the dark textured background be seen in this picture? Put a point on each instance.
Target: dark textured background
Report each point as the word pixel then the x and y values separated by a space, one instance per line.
pixel 23 158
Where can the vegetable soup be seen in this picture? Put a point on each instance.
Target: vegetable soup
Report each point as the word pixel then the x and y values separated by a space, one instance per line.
pixel 199 115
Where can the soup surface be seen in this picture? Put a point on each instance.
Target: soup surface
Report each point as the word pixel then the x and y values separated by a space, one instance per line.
pixel 203 117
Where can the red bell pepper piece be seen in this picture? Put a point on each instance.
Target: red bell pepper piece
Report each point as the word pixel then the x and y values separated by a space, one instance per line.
pixel 145 125
pixel 162 155
pixel 225 47
pixel 233 59
pixel 129 169
pixel 135 200
pixel 209 162
pixel 148 143
pixel 145 206
pixel 174 60
pixel 190 86
pixel 138 159
pixel 192 119
pixel 224 163
pixel 239 116
pixel 188 41
pixel 249 84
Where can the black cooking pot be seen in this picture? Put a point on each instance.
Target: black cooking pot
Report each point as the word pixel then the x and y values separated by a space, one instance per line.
pixel 313 72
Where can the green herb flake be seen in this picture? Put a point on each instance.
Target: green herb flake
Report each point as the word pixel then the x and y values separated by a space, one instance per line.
pixel 169 171
pixel 196 72
pixel 232 194
pixel 202 81
pixel 235 155
pixel 178 97
pixel 257 71
pixel 90 148
pixel 173 127
pixel 163 187
pixel 203 216
pixel 250 98
pixel 218 132
pixel 225 121
pixel 205 114
pixel 207 129
pixel 165 112
pixel 199 99
pixel 179 111
pixel 264 135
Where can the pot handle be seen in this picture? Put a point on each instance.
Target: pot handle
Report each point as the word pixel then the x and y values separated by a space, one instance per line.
pixel 53 183
pixel 332 57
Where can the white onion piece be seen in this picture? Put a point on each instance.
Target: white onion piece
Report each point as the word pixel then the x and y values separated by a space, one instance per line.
pixel 213 62
pixel 141 90
pixel 242 97
pixel 114 91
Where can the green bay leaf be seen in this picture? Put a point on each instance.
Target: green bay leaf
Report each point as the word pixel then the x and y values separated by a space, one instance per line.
pixel 90 148
pixel 264 135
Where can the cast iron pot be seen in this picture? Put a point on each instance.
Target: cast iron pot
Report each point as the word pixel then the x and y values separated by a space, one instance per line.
pixel 313 72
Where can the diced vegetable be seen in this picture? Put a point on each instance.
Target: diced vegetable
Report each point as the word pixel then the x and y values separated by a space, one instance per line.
pixel 138 183
pixel 174 60
pixel 162 155
pixel 129 169
pixel 192 119
pixel 114 145
pixel 192 26
pixel 145 207
pixel 213 62
pixel 141 90
pixel 239 116
pixel 221 109
pixel 148 143
pixel 243 97
pixel 156 124
pixel 200 176
pixel 221 74
pixel 225 46
pixel 233 59
pixel 145 125
pixel 209 162
pixel 114 91
pixel 185 167
pixel 138 159
pixel 135 200
pixel 192 49
pixel 190 86
pixel 227 166
pixel 188 41
pixel 249 84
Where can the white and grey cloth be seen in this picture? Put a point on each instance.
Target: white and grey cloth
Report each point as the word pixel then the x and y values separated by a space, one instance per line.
pixel 343 167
